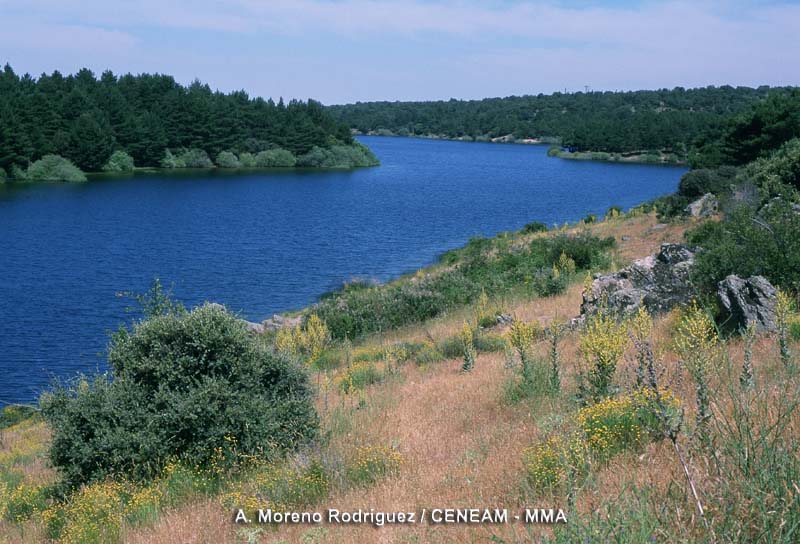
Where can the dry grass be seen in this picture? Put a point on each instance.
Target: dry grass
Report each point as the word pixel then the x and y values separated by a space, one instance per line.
pixel 462 445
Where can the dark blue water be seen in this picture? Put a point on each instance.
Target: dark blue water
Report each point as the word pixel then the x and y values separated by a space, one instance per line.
pixel 266 242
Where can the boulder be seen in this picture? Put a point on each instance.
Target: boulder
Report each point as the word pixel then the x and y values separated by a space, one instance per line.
pixel 255 328
pixel 660 282
pixel 504 319
pixel 744 301
pixel 277 322
pixel 704 206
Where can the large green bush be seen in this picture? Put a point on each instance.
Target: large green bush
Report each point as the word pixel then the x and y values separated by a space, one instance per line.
pixel 778 174
pixel 54 168
pixel 194 386
pixel 119 161
pixel 186 158
pixel 696 183
pixel 227 159
pixel 275 158
pixel 749 243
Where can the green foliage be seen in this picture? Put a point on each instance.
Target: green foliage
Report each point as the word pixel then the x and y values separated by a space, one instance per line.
pixel 227 159
pixel 610 122
pixel 275 158
pixel 119 161
pixel 339 156
pixel 483 265
pixel 534 227
pixel 753 133
pixel 696 183
pixel 13 414
pixel 372 463
pixel 54 168
pixel 187 385
pixel 3 176
pixel 359 375
pixel 247 160
pixel 85 118
pixel 779 173
pixel 748 243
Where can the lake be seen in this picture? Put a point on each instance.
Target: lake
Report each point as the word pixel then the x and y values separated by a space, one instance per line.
pixel 264 242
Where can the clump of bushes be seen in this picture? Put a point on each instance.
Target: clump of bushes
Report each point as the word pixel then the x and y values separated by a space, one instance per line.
pixel 696 183
pixel 186 385
pixel 119 161
pixel 359 375
pixel 544 267
pixel 50 168
pixel 186 158
pixel 339 156
pixel 227 159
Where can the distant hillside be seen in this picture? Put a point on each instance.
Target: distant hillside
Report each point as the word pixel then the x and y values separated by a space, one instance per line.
pixel 668 120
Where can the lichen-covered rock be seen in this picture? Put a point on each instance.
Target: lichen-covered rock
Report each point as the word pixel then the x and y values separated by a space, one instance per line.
pixel 743 301
pixel 660 282
pixel 704 206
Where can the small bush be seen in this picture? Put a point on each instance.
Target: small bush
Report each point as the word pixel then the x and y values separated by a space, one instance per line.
pixel 3 175
pixel 556 463
pixel 227 159
pixel 11 415
pixel 359 376
pixel 119 161
pixel 372 463
pixel 275 158
pixel 602 343
pixel 21 502
pixel 590 218
pixel 489 343
pixel 622 423
pixel 196 158
pixel 696 183
pixel 54 168
pixel 532 228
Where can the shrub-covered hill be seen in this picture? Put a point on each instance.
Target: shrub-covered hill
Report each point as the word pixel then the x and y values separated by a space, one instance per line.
pixel 115 122
pixel 667 120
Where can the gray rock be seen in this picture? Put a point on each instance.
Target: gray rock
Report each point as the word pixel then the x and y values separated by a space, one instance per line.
pixel 504 319
pixel 660 282
pixel 744 301
pixel 704 206
pixel 657 227
pixel 277 322
pixel 255 328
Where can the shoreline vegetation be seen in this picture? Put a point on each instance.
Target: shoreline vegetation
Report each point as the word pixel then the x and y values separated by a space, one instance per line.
pixel 58 128
pixel 555 150
pixel 466 382
pixel 631 126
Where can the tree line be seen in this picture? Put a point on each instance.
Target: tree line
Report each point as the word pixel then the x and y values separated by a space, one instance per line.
pixel 86 119
pixel 665 120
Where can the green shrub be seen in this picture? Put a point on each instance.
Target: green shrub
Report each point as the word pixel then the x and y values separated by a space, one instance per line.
pixel 590 218
pixel 339 156
pixel 778 174
pixel 275 158
pixel 696 183
pixel 247 160
pixel 227 159
pixel 359 375
pixel 196 158
pixel 13 414
pixel 119 161
pixel 54 168
pixel 489 343
pixel 749 243
pixel 534 227
pixel 3 175
pixel 185 385
pixel 186 158
pixel 794 330
pixel 554 151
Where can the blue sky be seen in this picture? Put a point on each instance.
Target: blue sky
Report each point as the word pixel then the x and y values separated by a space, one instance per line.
pixel 349 50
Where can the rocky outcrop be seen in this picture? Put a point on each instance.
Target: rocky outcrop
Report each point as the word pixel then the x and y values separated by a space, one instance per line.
pixel 744 301
pixel 660 282
pixel 277 322
pixel 704 206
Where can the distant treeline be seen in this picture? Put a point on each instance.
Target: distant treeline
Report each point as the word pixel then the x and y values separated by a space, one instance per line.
pixel 87 119
pixel 614 122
